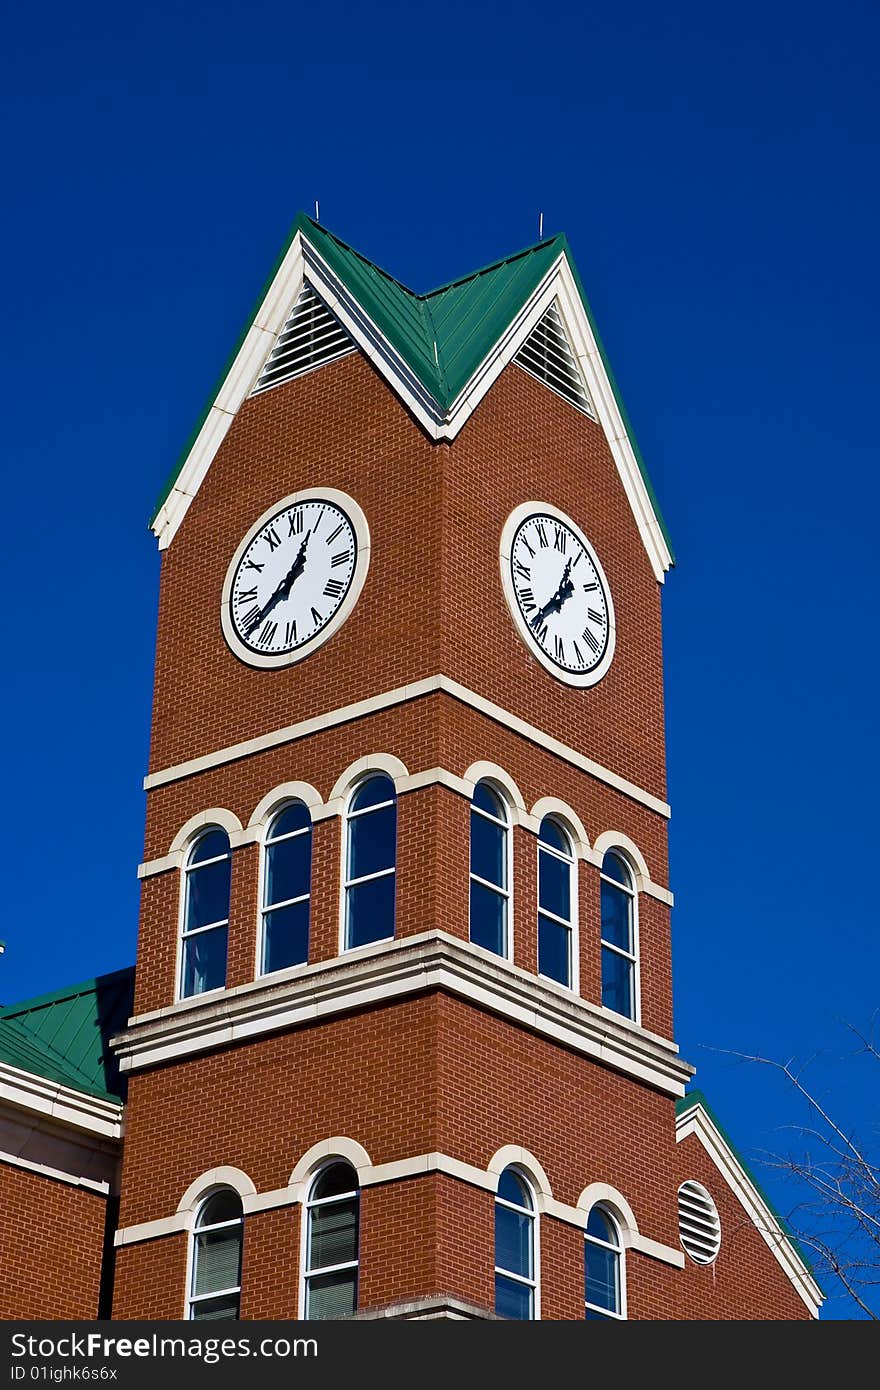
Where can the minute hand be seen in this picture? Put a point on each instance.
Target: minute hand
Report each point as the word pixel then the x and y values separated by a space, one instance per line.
pixel 554 605
pixel 283 588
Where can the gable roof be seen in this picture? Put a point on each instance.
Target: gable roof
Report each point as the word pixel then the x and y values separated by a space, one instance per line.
pixel 693 1115
pixel 63 1036
pixel 440 351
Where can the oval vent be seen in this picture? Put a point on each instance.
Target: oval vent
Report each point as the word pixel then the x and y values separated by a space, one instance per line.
pixel 699 1227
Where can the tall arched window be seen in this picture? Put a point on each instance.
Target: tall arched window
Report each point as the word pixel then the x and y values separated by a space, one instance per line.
pixel 490 871
pixel 205 914
pixel 618 936
pixel 556 896
pixel 331 1256
pixel 370 858
pixel 603 1268
pixel 287 870
pixel 515 1265
pixel 215 1266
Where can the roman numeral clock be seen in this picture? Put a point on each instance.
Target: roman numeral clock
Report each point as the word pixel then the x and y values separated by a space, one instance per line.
pixel 295 577
pixel 557 593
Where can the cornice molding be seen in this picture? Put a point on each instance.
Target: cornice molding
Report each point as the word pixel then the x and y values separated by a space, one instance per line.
pixel 27 1091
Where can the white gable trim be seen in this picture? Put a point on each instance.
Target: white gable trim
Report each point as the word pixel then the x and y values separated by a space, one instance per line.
pixel 303 262
pixel 696 1121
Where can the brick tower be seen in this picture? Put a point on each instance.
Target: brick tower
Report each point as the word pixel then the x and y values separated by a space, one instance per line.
pixel 402 1039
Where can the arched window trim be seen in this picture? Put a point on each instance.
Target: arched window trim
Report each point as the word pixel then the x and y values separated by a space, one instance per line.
pixel 347 817
pixel 308 1206
pixel 195 1231
pixel 572 924
pixel 619 1248
pixel 262 907
pixel 533 1213
pixel 633 956
pixel 183 935
pixel 508 824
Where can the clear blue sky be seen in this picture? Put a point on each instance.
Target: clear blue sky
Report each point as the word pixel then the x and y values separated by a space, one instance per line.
pixel 715 171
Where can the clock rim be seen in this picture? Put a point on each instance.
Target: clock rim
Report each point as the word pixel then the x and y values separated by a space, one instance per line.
pixel 275 661
pixel 580 679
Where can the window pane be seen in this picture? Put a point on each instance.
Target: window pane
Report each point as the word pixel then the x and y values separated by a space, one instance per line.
pixel 371 842
pixel 204 962
pixel 371 911
pixel 293 817
pixel 599 1226
pixel 553 951
pixel 288 869
pixel 335 1180
pixel 554 885
pixel 591 1315
pixel 552 835
pixel 614 867
pixel 218 1259
pixel 616 913
pixel 286 937
pixel 372 792
pixel 333 1295
pixel 216 1309
pixel 487 800
pixel 513 1241
pixel 513 1189
pixel 215 843
pixel 489 850
pixel 617 983
pixel 208 894
pixel 488 919
pixel 333 1234
pixel 223 1206
pixel 512 1300
pixel 601 1277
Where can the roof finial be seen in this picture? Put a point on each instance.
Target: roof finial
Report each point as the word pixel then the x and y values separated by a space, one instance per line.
pixel 317 211
pixel 540 226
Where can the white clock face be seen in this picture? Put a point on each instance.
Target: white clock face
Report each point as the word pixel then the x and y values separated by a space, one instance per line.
pixel 295 577
pixel 558 593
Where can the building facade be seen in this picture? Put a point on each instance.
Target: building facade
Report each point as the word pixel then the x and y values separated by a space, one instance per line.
pixel 401 1041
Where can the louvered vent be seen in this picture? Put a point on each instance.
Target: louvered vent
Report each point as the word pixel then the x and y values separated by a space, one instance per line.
pixel 310 338
pixel 546 354
pixel 699 1228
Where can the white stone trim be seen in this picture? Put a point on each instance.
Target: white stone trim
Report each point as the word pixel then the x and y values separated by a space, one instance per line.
pixel 402 694
pixel 341 1147
pixel 152 1230
pixel 217 815
pixel 358 770
pixel 392 970
pixel 696 1121
pixel 561 811
pixel 40 1145
pixel 277 797
pixel 224 1176
pixel 483 771
pixel 27 1091
pixel 514 1156
pixel 615 839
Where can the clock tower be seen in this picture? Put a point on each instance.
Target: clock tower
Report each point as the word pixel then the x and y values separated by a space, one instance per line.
pixel 402 1039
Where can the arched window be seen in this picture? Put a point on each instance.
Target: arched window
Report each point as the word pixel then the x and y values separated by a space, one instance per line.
pixel 215 1278
pixel 370 858
pixel 618 936
pixel 287 870
pixel 331 1257
pixel 515 1266
pixel 490 871
pixel 603 1268
pixel 556 896
pixel 205 914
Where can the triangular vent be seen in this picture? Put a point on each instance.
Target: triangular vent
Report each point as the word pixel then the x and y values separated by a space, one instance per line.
pixel 546 354
pixel 310 338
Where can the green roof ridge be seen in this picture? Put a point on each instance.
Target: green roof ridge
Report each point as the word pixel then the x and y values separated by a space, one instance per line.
pixel 57 995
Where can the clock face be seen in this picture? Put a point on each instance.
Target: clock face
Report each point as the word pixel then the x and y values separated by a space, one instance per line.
pixel 558 593
pixel 295 577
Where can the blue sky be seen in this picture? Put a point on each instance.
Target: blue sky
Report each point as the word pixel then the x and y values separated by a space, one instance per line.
pixel 715 172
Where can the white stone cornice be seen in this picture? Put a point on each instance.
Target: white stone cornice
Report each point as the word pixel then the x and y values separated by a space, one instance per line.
pixel 395 970
pixel 27 1091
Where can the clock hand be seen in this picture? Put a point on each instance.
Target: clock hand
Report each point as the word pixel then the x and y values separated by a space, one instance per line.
pixel 283 589
pixel 554 605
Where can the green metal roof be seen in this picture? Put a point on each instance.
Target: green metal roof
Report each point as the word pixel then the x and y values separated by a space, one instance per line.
pixel 444 335
pixel 690 1102
pixel 64 1036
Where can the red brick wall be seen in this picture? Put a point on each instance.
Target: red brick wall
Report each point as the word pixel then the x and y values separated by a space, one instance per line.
pixel 52 1247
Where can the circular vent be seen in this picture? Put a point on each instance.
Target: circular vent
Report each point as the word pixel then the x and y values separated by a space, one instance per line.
pixel 699 1228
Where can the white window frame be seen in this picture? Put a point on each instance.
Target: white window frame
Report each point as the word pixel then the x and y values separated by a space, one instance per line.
pixel 263 908
pixel 191 1262
pixel 182 934
pixel 633 955
pixel 309 1206
pixel 347 882
pixel 619 1250
pixel 505 893
pixel 571 860
pixel 534 1283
